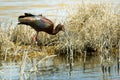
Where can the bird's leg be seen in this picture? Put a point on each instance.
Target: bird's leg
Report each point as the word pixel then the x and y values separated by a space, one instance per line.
pixel 36 38
pixel 38 42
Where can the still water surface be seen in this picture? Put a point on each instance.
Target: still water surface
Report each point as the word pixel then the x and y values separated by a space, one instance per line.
pixel 57 68
pixel 55 8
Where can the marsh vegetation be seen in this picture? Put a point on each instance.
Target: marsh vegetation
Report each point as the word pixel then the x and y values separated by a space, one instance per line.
pixel 88 29
pixel 94 30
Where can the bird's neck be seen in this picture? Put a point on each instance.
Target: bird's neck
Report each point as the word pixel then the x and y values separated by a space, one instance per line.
pixel 56 30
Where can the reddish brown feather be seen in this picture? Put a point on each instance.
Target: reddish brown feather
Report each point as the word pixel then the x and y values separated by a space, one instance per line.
pixel 47 20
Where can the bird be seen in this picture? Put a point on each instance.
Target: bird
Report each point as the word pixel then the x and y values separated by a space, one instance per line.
pixel 40 23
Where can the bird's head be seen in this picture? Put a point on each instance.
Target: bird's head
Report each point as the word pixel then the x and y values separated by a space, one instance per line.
pixel 61 27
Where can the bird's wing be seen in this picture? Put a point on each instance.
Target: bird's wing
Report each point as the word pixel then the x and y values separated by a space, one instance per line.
pixel 36 20
pixel 28 14
pixel 43 22
pixel 26 19
pixel 47 21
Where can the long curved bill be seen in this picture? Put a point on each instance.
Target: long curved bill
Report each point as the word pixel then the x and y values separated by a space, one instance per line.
pixel 63 29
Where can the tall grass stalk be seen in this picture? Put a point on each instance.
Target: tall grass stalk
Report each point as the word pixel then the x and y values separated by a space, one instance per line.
pixel 70 51
pixel 119 50
pixel 118 58
pixel 6 51
pixel 23 65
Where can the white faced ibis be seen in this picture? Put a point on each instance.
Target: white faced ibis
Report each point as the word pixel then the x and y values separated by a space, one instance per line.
pixel 40 23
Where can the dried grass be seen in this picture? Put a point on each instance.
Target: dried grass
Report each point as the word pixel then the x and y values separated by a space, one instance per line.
pixel 88 28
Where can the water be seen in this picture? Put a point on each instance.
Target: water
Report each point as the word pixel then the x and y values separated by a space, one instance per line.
pixel 56 69
pixel 14 8
pixel 57 11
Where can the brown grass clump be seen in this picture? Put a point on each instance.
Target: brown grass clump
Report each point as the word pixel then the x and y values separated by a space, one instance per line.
pixel 14 41
pixel 22 34
pixel 5 42
pixel 90 27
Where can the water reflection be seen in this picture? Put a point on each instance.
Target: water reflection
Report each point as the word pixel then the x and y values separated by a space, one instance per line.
pixel 9 71
pixel 58 69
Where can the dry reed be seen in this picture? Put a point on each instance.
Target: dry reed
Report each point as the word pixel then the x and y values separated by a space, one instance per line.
pixel 88 28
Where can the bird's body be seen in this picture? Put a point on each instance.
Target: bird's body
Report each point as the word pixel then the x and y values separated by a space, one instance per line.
pixel 40 23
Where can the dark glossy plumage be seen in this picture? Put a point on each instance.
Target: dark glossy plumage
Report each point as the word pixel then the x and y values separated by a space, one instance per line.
pixel 40 23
